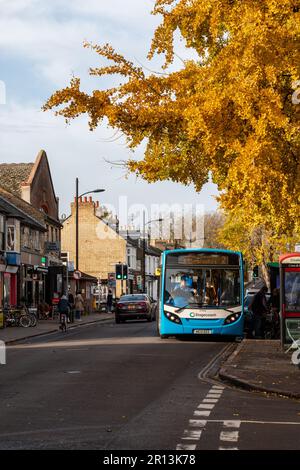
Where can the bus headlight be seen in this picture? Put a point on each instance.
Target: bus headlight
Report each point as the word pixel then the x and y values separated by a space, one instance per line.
pixel 173 317
pixel 232 318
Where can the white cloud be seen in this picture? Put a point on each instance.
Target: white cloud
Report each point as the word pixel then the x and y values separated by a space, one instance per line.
pixel 48 36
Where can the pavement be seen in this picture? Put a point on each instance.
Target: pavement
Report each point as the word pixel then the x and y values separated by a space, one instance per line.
pixel 12 334
pixel 261 365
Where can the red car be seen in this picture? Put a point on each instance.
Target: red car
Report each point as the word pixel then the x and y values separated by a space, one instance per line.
pixel 135 306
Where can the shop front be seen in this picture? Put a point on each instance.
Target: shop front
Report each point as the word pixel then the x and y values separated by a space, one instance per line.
pixel 55 285
pixel 10 279
pixel 33 271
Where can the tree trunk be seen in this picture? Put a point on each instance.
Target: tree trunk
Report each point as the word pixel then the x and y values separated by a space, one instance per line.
pixel 266 274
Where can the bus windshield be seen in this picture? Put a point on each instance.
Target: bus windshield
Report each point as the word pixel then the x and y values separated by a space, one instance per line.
pixel 198 287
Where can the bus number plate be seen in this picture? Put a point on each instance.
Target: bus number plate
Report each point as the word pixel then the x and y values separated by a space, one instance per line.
pixel 202 332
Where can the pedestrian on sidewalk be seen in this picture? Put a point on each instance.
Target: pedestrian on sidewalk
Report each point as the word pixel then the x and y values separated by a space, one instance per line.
pixel 109 301
pixel 259 308
pixel 79 305
pixel 72 305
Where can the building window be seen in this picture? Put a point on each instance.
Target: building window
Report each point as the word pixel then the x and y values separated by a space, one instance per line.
pixel 36 240
pixel 11 238
pixel 2 232
pixel 26 237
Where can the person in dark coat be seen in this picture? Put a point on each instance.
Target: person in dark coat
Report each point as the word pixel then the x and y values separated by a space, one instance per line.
pixel 109 301
pixel 71 301
pixel 259 308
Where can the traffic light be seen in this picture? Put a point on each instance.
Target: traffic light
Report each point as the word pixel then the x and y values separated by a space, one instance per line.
pixel 119 271
pixel 125 271
pixel 255 271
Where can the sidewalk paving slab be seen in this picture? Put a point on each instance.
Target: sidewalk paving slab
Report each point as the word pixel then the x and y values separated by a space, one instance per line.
pixel 13 334
pixel 261 365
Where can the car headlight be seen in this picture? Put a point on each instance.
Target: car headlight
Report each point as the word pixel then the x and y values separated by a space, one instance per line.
pixel 232 318
pixel 173 317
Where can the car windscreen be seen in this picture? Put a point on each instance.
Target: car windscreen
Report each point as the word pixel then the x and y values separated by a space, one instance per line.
pixel 132 298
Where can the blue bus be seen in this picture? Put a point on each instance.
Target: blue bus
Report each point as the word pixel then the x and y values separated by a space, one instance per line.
pixel 201 293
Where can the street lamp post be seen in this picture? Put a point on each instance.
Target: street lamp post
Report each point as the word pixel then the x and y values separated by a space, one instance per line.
pixel 144 250
pixel 77 224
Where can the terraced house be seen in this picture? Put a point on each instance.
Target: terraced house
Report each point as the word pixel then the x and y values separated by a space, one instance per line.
pixel 30 188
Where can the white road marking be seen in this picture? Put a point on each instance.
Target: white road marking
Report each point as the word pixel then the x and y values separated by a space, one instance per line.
pixel 197 423
pixel 228 448
pixel 202 413
pixel 213 395
pixel 229 436
pixel 247 421
pixel 192 435
pixel 232 424
pixel 186 447
pixel 218 387
pixel 210 400
pixel 207 406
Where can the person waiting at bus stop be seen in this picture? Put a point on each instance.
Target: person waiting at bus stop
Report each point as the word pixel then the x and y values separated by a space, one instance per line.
pixel 259 308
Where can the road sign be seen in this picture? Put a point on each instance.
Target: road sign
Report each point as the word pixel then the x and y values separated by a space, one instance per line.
pixel 77 275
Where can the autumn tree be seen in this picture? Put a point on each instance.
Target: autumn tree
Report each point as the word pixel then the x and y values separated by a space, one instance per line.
pixel 228 113
pixel 257 242
pixel 213 226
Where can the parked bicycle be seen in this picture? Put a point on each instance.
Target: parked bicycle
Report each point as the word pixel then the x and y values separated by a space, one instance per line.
pixel 17 317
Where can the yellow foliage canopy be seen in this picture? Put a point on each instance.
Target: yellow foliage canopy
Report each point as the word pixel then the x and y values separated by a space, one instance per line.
pixel 230 112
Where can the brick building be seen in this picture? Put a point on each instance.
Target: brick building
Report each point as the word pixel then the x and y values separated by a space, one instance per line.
pixel 100 247
pixel 32 183
pixel 22 232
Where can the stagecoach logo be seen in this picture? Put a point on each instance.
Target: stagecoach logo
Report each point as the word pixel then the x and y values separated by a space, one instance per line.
pixel 202 314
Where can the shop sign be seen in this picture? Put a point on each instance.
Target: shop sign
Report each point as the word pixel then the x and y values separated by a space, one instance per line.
pixel 1 319
pixel 41 269
pixel 52 246
pixel 13 258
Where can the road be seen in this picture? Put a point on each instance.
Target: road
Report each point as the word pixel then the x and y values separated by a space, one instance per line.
pixel 108 386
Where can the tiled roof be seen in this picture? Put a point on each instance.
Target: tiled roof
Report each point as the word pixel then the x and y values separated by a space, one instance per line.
pixel 22 205
pixel 12 175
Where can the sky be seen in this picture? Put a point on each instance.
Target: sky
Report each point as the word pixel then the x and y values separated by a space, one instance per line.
pixel 41 47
